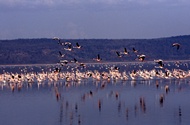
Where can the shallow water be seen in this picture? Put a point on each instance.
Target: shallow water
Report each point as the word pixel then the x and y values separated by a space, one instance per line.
pixel 93 102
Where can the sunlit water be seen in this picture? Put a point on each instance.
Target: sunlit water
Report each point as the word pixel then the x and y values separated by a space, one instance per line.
pixel 96 102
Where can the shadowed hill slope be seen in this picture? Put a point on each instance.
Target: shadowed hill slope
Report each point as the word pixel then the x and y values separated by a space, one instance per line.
pixel 33 51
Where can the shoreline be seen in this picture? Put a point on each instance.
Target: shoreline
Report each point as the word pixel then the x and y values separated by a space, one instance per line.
pixel 87 63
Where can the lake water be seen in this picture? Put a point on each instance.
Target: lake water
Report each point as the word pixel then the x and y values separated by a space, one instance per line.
pixel 96 102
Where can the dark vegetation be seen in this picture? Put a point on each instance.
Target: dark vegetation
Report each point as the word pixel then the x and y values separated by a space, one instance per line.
pixel 35 51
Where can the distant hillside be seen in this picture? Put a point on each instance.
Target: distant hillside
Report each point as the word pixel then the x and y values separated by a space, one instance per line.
pixel 33 51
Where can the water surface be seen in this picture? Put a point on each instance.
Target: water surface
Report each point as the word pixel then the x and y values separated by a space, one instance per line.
pixel 92 102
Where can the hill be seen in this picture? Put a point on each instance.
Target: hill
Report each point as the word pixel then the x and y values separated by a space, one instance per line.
pixel 35 51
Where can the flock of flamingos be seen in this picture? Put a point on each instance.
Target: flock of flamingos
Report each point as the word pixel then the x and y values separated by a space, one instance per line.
pixel 76 75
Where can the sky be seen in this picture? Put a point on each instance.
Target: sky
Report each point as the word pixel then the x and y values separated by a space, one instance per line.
pixel 94 19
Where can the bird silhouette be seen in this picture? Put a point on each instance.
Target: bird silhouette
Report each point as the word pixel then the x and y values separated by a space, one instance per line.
pixel 125 51
pixel 160 62
pixel 98 59
pixel 176 45
pixel 69 47
pixel 78 46
pixel 134 50
pixel 118 54
pixel 60 53
pixel 141 57
pixel 63 62
pixel 75 60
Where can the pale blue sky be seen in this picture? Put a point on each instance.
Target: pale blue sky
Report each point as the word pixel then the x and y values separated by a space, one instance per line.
pixel 94 18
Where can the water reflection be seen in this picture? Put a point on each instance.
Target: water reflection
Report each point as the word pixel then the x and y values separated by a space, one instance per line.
pixel 115 103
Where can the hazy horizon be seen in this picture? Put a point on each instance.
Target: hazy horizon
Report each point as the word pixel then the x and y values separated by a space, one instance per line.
pixel 94 38
pixel 94 19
